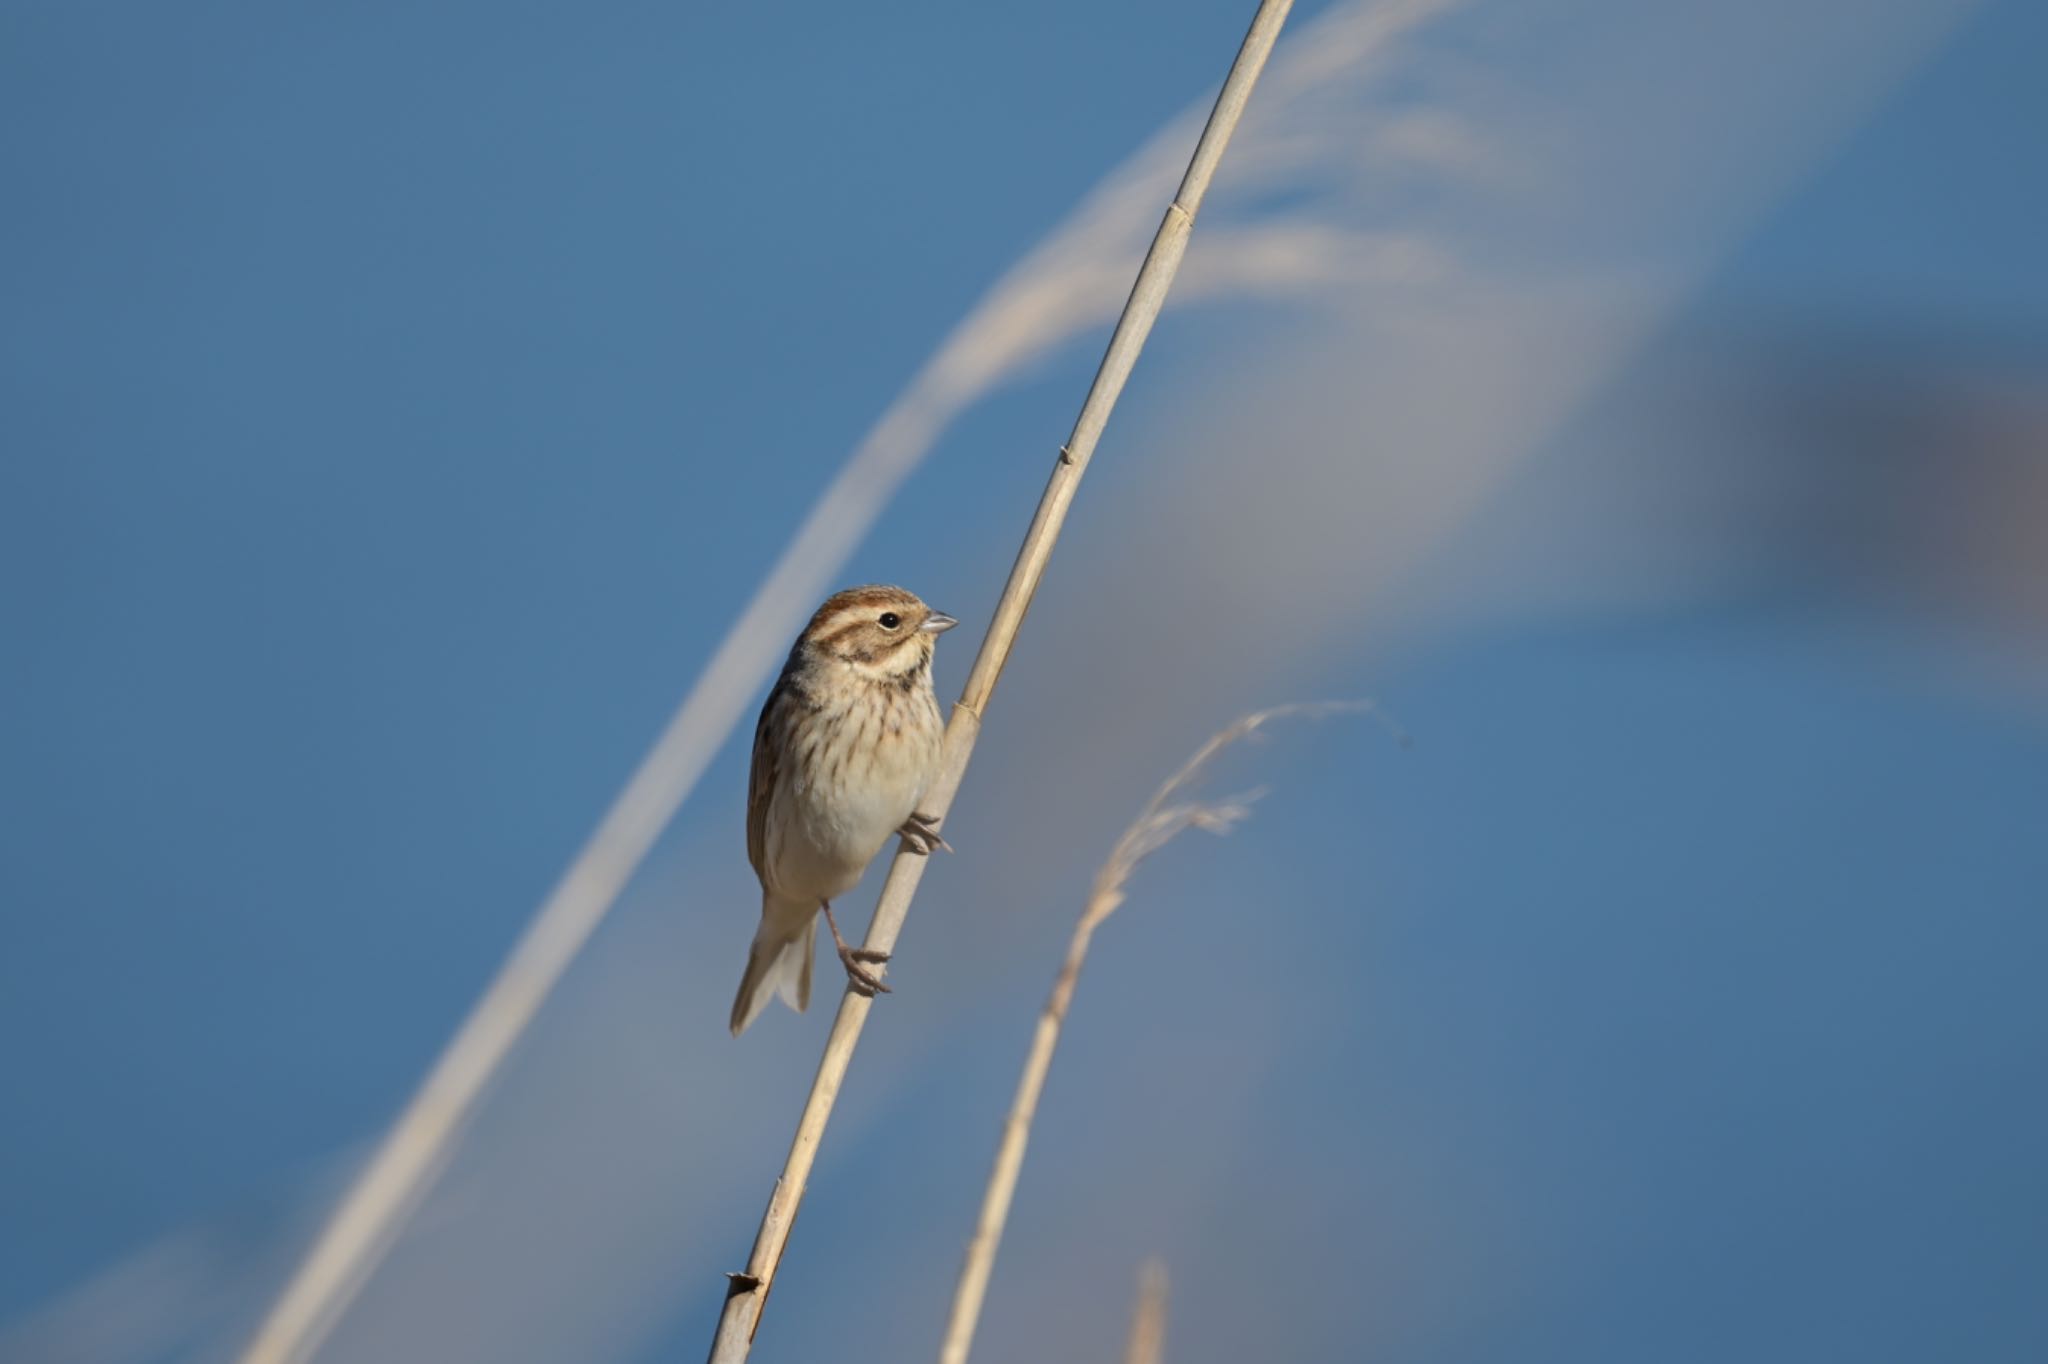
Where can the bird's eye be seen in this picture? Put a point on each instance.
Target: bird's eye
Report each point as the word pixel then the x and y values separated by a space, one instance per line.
pixel 890 620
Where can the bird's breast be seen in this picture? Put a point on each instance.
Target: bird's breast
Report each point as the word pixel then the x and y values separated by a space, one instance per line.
pixel 848 786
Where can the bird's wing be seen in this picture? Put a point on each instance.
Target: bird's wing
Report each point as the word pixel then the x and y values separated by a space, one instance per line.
pixel 761 786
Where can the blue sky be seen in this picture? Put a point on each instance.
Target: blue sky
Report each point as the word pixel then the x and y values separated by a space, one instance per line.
pixel 400 404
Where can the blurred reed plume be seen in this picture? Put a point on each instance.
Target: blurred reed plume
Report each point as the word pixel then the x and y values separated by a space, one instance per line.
pixel 1172 811
pixel 1061 290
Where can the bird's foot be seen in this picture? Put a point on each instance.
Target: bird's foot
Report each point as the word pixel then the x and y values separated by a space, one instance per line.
pixel 921 835
pixel 858 978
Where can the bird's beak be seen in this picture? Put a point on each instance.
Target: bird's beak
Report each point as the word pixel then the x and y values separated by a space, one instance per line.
pixel 937 623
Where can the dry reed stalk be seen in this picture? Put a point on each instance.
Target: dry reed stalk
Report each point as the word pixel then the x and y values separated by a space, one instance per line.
pixel 1147 1344
pixel 747 1291
pixel 1163 819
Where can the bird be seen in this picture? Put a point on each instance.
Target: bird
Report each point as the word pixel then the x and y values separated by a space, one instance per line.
pixel 847 744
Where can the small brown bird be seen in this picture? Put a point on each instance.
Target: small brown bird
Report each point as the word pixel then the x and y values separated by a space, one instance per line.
pixel 847 742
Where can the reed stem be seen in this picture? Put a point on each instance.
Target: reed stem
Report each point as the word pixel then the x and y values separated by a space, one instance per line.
pixel 747 1292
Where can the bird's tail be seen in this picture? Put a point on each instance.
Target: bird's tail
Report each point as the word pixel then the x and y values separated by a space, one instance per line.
pixel 779 963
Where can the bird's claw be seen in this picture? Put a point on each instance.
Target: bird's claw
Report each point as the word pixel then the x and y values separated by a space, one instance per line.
pixel 858 978
pixel 921 835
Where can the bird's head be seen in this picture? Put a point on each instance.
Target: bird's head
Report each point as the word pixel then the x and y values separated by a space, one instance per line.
pixel 881 632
